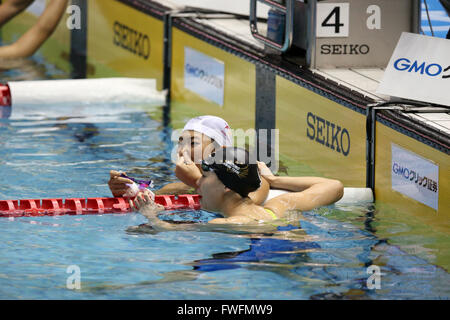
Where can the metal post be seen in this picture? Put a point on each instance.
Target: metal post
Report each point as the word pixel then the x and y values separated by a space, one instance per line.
pixel 265 111
pixel 370 147
pixel 311 33
pixel 167 63
pixel 416 18
pixel 78 43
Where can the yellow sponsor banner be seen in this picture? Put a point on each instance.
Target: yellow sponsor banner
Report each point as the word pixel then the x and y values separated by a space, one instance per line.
pixel 231 81
pixel 56 50
pixel 123 41
pixel 319 136
pixel 388 171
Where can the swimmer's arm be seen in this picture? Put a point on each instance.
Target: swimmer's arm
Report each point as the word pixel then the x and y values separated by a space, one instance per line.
pixel 11 8
pixel 260 195
pixel 220 226
pixel 30 42
pixel 158 225
pixel 307 193
pixel 148 208
pixel 187 171
pixel 232 220
pixel 175 188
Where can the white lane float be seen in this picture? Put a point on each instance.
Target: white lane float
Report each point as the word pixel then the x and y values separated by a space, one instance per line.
pixel 85 91
pixel 77 97
pixel 352 196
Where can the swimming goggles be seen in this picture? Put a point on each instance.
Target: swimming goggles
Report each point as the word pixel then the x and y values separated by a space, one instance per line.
pixel 205 167
pixel 140 183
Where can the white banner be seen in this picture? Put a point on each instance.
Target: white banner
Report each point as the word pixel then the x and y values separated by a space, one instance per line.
pixel 419 70
pixel 414 176
pixel 204 75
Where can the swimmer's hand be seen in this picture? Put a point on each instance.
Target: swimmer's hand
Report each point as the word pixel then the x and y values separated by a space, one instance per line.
pixel 148 208
pixel 146 205
pixel 118 184
pixel 187 171
pixel 265 172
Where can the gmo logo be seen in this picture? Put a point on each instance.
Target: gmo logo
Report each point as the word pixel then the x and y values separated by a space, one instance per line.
pixel 204 76
pixel 432 69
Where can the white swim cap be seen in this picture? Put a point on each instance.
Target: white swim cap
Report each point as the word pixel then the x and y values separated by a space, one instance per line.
pixel 214 127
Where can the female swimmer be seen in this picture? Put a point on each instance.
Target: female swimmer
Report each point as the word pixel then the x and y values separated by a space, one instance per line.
pixel 228 178
pixel 200 137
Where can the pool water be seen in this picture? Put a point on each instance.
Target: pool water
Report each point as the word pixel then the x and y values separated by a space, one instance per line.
pixel 46 154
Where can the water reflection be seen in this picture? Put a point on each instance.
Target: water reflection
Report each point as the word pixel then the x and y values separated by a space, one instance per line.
pixel 22 69
pixel 5 113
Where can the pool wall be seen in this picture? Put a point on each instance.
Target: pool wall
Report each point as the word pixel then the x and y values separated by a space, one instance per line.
pixel 109 55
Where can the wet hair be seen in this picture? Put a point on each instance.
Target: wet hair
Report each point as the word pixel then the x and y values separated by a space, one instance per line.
pixel 234 168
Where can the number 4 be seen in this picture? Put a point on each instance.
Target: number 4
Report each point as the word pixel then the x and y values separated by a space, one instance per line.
pixel 337 14
pixel 332 20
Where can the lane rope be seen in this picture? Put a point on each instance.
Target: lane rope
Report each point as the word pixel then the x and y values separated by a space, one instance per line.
pixel 84 206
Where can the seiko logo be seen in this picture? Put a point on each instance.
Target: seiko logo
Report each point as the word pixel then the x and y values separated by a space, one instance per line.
pixel 413 176
pixel 354 49
pixel 430 69
pixel 328 134
pixel 131 40
pixel 204 76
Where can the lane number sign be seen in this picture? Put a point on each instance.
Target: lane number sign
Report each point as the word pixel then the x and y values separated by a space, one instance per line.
pixel 333 20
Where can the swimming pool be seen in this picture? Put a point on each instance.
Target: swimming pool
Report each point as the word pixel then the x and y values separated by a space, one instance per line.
pixel 52 152
pixel 46 154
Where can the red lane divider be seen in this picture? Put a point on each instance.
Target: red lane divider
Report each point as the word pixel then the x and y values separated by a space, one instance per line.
pixel 77 206
pixel 5 95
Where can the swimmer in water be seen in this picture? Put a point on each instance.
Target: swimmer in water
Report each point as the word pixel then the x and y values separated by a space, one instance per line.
pixel 227 180
pixel 32 40
pixel 200 137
